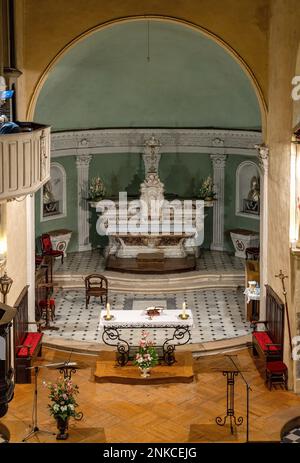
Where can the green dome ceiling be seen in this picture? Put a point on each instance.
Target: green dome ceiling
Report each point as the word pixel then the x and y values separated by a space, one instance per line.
pixel 107 81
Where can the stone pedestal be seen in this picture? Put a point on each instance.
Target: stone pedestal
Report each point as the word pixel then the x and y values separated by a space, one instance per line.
pixel 243 239
pixel 60 240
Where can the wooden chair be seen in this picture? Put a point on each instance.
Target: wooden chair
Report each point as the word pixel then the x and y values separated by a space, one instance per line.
pixel 95 285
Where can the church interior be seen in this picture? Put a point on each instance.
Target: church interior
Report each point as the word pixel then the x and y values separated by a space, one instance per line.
pixel 149 221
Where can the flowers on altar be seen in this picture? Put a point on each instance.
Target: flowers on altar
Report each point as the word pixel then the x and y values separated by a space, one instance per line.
pixel 206 190
pixel 147 355
pixel 62 394
pixel 96 189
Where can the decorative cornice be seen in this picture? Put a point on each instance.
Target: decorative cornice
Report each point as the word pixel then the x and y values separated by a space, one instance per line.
pixel 263 156
pixel 200 141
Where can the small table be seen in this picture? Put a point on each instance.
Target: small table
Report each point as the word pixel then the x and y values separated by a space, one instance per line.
pixel 253 297
pixel 139 319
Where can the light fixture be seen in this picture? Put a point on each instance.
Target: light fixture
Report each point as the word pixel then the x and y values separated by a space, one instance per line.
pixel 5 285
pixel 3 251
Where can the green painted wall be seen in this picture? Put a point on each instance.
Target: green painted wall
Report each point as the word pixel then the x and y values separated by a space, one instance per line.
pixel 70 221
pixel 180 173
pixel 107 81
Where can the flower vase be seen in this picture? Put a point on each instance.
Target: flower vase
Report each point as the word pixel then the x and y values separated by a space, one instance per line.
pixel 145 372
pixel 62 426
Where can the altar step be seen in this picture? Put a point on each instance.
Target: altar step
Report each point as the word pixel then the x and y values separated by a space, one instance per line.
pixel 108 371
pixel 186 281
pixel 151 263
pixel 197 349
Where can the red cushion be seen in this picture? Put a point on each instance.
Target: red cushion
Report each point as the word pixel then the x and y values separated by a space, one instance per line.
pixel 54 252
pixel 44 302
pixel 46 243
pixel 276 367
pixel 263 338
pixel 32 339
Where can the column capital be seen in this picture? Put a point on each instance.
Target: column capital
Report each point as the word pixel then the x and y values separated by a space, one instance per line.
pixel 218 160
pixel 83 160
pixel 263 156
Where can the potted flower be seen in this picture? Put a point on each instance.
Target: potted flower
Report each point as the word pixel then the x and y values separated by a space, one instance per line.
pixel 146 357
pixel 63 397
pixel 96 189
pixel 206 190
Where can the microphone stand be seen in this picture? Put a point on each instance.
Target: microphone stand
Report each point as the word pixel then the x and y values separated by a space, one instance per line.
pixel 34 426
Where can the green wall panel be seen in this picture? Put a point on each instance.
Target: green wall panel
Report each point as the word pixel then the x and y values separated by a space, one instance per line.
pixel 231 220
pixel 106 81
pixel 70 221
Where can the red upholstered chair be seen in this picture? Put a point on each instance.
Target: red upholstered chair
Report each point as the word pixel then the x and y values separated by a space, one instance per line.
pixel 46 305
pixel 276 373
pixel 47 249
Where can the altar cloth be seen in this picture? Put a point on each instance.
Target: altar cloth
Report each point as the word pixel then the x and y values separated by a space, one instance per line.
pixel 139 318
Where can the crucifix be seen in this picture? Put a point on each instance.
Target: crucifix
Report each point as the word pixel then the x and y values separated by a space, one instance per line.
pixel 282 277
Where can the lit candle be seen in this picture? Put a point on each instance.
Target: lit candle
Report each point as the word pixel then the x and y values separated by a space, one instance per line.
pixel 183 309
pixel 108 310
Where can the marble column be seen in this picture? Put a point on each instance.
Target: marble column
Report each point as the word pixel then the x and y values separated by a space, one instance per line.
pixel 82 164
pixel 218 161
pixel 263 156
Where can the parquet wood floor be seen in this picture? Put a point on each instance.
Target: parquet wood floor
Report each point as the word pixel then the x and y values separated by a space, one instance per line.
pixel 156 413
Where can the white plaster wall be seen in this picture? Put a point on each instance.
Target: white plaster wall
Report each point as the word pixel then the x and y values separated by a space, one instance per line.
pixel 16 248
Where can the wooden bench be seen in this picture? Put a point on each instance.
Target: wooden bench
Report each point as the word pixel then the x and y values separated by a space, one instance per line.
pixel 267 345
pixel 28 344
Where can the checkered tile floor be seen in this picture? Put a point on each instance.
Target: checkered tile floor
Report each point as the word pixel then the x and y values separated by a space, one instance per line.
pixel 218 314
pixel 293 437
pixel 79 263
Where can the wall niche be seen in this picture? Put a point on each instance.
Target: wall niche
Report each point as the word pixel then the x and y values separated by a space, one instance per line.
pixel 248 190
pixel 53 194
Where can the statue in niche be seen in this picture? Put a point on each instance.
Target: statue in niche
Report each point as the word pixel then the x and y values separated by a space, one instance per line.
pixel 50 205
pixel 47 193
pixel 251 204
pixel 254 193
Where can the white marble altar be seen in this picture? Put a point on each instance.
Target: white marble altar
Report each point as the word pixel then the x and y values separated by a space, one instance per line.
pixel 151 223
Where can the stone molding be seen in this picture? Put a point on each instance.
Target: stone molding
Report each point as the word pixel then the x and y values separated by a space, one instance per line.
pixel 202 141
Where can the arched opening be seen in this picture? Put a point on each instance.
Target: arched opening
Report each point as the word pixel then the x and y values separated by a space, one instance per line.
pixel 121 85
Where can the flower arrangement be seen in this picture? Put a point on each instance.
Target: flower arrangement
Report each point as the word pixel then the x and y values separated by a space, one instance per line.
pixel 206 190
pixel 62 394
pixel 147 356
pixel 96 188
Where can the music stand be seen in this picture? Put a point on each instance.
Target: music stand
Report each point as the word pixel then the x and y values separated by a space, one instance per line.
pixel 231 369
pixel 34 426
pixel 65 368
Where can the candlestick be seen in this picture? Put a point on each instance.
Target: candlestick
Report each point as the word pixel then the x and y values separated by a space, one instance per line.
pixel 183 314
pixel 108 310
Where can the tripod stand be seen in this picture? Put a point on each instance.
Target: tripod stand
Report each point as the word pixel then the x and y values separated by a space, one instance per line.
pixel 34 427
